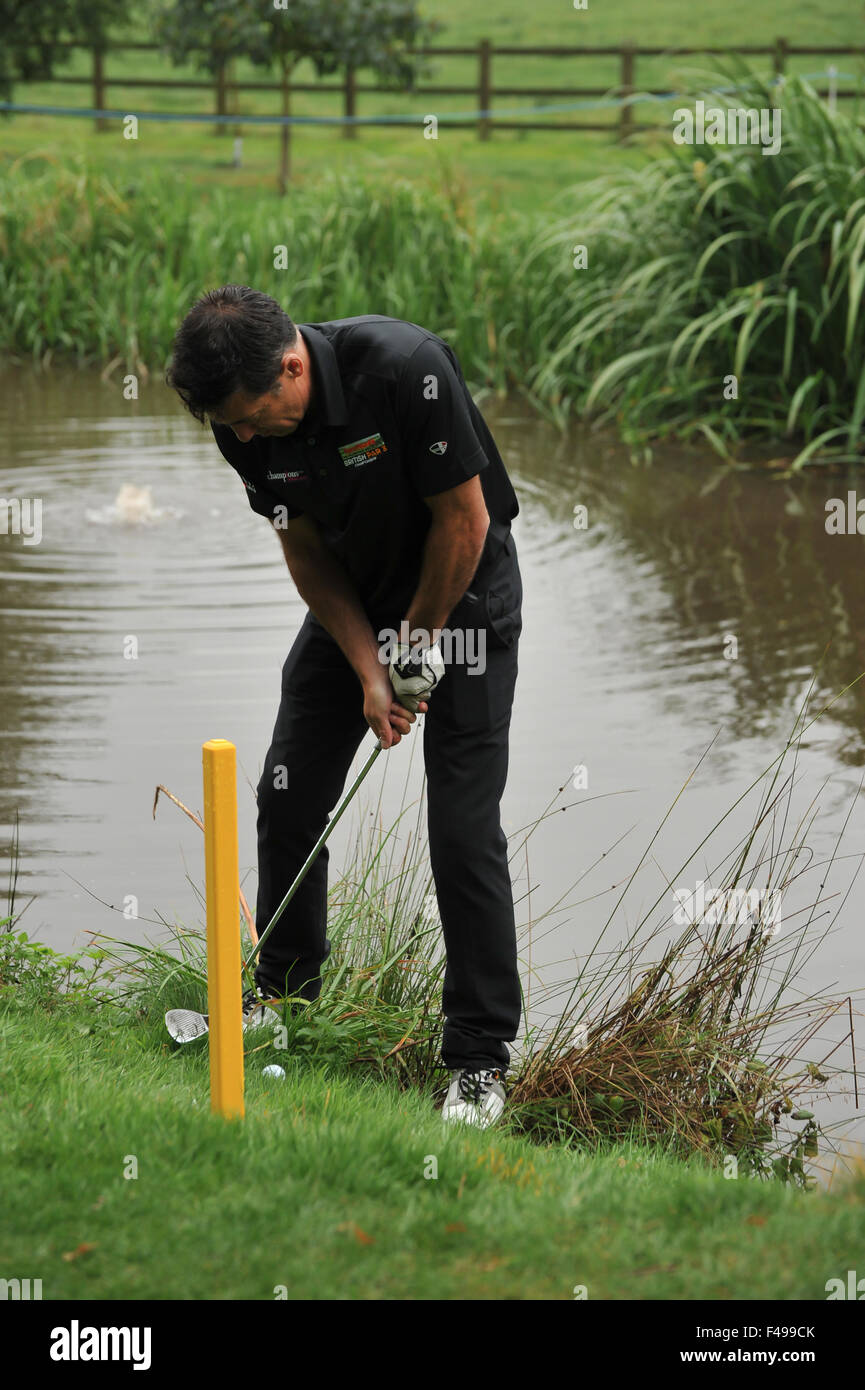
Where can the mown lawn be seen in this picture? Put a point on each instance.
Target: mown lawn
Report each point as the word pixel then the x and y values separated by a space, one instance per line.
pixel 321 1191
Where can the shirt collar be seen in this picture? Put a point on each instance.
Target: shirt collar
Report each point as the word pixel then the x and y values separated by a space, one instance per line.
pixel 328 406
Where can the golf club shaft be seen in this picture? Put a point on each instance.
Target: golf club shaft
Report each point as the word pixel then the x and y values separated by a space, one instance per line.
pixel 312 855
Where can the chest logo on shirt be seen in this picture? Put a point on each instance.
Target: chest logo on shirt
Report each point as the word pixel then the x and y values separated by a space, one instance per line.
pixel 440 447
pixel 289 475
pixel 362 450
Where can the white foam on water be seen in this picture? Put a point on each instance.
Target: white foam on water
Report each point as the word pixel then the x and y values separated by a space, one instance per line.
pixel 133 506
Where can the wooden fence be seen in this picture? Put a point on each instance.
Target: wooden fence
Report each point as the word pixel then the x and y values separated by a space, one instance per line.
pixel 484 91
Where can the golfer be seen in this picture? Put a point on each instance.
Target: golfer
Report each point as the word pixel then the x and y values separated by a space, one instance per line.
pixel 360 443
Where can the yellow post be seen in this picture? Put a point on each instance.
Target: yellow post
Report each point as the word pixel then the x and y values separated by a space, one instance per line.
pixel 222 877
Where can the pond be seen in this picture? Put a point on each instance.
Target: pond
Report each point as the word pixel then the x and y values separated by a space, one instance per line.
pixel 697 611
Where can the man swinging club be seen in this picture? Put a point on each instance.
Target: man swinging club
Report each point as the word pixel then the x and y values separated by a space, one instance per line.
pixel 359 441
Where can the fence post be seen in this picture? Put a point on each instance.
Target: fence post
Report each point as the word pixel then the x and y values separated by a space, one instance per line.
pixel 285 130
pixel 779 59
pixel 99 87
pixel 350 131
pixel 223 928
pixel 626 88
pixel 485 62
pixel 221 94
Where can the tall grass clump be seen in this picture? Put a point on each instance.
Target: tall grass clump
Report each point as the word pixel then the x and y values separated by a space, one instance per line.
pixel 696 1035
pixel 707 263
pixel 379 1008
pixel 714 261
pixel 103 272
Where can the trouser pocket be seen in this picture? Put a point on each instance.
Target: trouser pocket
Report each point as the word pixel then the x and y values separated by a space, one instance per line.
pixel 502 598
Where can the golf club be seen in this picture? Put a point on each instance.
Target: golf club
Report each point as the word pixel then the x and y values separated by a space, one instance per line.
pixel 310 860
pixel 186 1025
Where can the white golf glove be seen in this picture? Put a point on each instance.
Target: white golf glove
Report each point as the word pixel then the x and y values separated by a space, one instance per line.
pixel 415 674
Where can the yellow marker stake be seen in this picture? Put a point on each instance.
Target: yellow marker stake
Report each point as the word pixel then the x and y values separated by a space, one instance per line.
pixel 223 928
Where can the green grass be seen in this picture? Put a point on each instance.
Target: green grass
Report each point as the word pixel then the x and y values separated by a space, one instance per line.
pixel 665 22
pixel 321 1189
pixel 516 168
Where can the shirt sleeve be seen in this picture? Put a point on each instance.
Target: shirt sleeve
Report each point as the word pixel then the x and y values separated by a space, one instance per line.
pixel 438 438
pixel 260 500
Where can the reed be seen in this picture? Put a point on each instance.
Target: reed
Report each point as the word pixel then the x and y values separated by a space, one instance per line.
pixel 733 263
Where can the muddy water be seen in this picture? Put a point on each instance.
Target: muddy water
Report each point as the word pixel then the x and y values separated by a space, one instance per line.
pixel 692 617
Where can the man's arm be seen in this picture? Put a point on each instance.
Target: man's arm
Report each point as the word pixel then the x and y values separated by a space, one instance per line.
pixel 452 553
pixel 326 589
pixel 328 592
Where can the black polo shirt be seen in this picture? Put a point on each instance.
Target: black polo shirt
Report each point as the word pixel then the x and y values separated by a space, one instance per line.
pixel 391 422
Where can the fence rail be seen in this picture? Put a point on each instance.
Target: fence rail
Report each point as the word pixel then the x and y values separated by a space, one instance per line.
pixel 484 90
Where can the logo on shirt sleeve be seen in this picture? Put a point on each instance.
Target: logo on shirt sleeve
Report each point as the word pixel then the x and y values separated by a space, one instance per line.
pixel 440 447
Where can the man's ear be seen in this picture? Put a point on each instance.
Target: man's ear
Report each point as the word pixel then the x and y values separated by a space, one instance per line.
pixel 292 366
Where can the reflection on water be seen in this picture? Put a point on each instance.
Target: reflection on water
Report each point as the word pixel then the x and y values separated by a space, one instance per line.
pixel 697 605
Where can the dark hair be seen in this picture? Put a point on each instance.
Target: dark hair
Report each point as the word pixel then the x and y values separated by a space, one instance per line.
pixel 231 340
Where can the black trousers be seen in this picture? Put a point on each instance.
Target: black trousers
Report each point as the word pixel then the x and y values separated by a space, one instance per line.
pixel 318 729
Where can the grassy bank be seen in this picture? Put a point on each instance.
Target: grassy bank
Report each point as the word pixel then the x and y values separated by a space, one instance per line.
pixel 655 1143
pixel 697 271
pixel 322 1190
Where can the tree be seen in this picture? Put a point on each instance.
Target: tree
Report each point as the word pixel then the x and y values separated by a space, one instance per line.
pixel 34 33
pixel 333 34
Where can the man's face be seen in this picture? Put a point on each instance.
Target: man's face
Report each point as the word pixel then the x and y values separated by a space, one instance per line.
pixel 279 411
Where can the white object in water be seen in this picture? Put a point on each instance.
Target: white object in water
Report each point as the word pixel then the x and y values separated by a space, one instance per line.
pixel 133 506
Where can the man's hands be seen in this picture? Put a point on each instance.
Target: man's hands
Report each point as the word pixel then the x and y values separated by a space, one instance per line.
pixel 393 696
pixel 387 718
pixel 451 554
pixel 415 672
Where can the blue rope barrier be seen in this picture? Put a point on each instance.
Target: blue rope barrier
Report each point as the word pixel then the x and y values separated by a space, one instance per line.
pixel 497 113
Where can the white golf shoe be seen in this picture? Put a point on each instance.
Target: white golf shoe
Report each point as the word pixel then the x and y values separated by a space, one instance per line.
pixel 475 1097
pixel 256 1010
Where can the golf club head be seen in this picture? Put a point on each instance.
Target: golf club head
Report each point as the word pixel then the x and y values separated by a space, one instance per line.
pixel 185 1025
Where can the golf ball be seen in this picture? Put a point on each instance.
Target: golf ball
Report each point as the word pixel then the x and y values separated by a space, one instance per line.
pixel 274 1070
